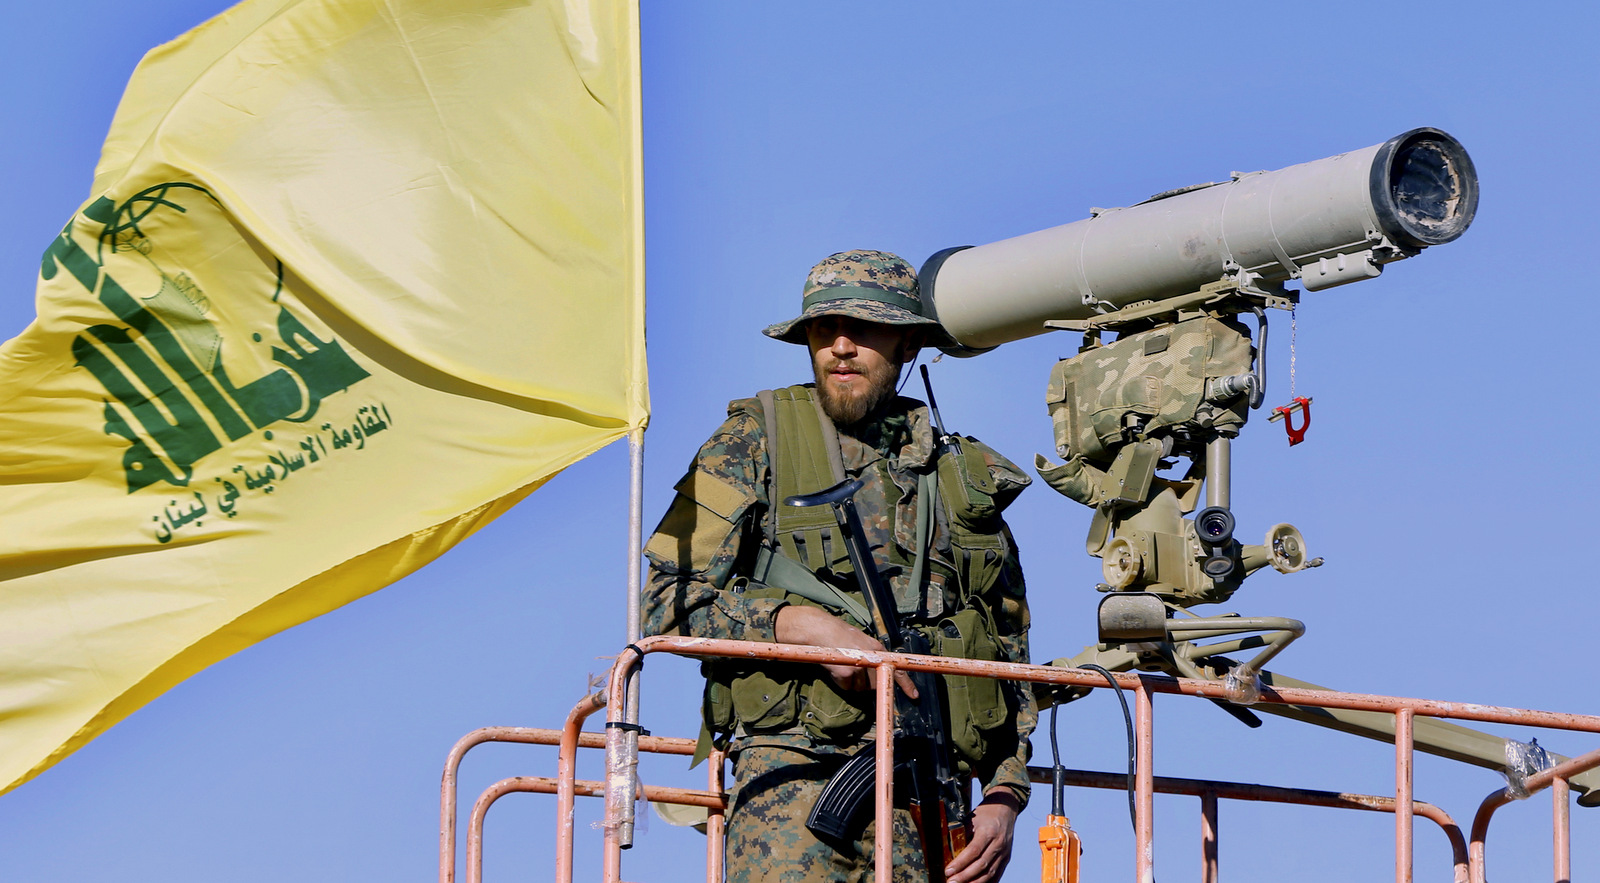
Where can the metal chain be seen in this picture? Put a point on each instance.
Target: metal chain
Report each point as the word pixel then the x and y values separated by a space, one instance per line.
pixel 1294 328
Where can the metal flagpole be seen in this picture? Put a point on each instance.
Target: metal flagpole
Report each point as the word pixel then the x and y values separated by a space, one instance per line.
pixel 622 754
pixel 625 817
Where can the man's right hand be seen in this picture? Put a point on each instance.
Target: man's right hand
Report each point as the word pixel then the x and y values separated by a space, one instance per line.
pixel 795 624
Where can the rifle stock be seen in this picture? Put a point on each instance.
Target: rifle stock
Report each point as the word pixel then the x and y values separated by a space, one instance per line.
pixel 952 837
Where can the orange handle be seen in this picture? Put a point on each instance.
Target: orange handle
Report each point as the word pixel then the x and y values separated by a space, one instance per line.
pixel 1059 849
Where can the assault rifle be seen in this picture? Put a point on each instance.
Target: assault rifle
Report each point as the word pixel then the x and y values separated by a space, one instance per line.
pixel 923 754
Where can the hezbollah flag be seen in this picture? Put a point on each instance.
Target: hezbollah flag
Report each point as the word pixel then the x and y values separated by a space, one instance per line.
pixel 354 278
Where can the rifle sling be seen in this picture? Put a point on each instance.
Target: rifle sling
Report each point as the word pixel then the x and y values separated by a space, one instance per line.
pixel 781 571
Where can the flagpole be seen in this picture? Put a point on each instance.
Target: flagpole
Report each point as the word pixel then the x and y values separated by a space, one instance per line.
pixel 622 766
pixel 625 815
pixel 635 532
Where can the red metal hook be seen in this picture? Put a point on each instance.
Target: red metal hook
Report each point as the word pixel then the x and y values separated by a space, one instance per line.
pixel 1297 434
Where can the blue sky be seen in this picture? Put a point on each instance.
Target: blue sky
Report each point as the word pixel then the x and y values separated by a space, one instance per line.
pixel 1447 478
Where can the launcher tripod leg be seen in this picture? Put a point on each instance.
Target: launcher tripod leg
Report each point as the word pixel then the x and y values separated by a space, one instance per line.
pixel 1431 736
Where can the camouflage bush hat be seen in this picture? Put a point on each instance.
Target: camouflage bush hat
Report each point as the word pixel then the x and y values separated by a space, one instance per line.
pixel 874 286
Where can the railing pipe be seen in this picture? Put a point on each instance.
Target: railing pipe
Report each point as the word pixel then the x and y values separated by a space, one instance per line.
pixel 525 736
pixel 883 811
pixel 1402 795
pixel 1044 674
pixel 566 774
pixel 1208 837
pixel 715 820
pixel 886 663
pixel 546 785
pixel 447 785
pixel 1075 778
pixel 1533 784
pixel 1270 794
pixel 1561 832
pixel 595 788
pixel 1144 783
pixel 619 772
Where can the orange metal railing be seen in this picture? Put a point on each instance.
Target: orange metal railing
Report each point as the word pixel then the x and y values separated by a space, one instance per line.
pixel 1555 779
pixel 1209 791
pixel 1468 862
pixel 566 786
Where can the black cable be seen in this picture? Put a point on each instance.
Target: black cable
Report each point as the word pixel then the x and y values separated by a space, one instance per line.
pixel 1055 749
pixel 1127 718
pixel 908 372
pixel 1058 774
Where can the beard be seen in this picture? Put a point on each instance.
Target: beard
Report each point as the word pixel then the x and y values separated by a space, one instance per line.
pixel 850 407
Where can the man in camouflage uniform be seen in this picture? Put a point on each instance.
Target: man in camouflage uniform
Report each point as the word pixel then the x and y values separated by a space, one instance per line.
pixel 792 727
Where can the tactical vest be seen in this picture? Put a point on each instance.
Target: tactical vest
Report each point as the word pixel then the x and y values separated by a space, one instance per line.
pixel 943 592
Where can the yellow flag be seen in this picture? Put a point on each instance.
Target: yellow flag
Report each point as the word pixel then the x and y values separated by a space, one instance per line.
pixel 355 277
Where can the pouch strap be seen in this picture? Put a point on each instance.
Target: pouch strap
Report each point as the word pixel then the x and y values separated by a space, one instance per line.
pixel 702 745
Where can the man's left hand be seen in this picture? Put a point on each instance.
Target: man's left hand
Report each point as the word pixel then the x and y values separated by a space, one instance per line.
pixel 985 857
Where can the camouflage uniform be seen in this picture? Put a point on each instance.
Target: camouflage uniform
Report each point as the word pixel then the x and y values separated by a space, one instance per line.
pixel 712 539
pixel 695 556
pixel 768 841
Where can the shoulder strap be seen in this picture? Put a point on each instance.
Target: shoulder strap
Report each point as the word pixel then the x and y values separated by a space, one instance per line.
pixel 802 458
pixel 830 440
pixel 769 420
pixel 807 442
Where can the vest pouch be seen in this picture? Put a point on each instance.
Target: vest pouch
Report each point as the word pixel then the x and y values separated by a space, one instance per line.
pixel 975 704
pixel 762 702
pixel 717 703
pixel 968 489
pixel 979 561
pixel 831 714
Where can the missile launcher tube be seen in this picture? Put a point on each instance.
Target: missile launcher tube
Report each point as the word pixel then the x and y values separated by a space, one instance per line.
pixel 1326 223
